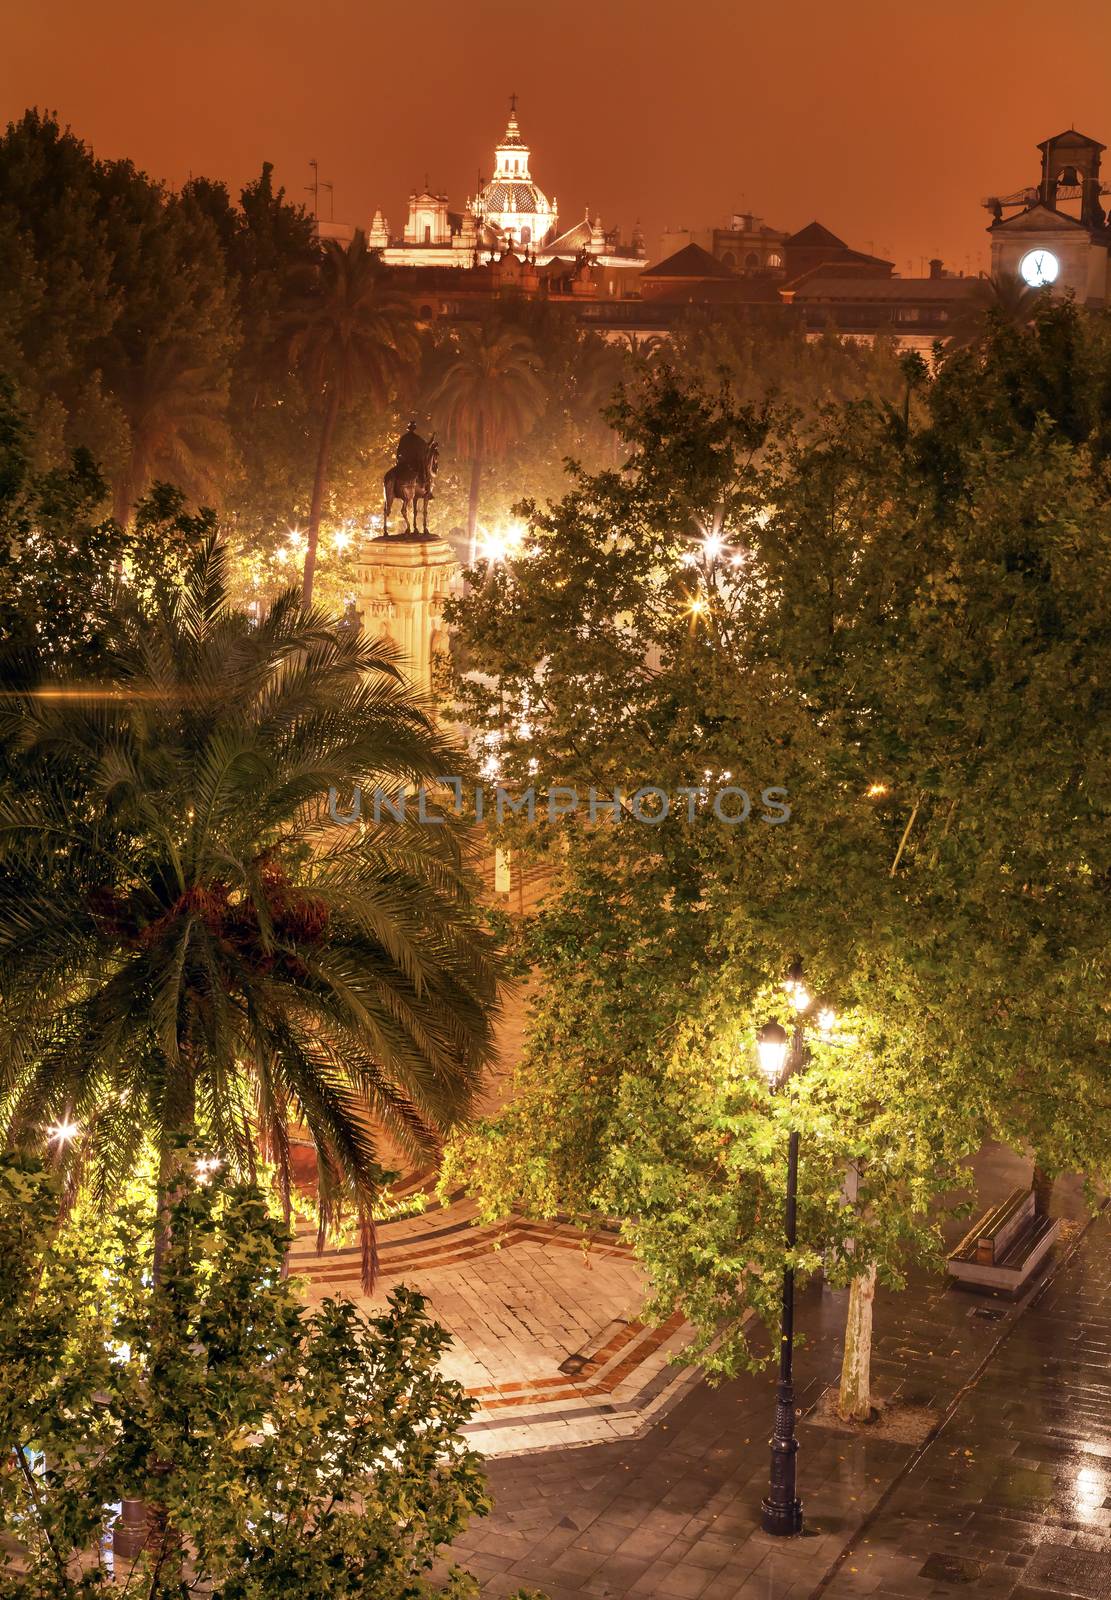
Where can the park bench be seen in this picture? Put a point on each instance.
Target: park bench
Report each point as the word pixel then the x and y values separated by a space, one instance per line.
pixel 1005 1247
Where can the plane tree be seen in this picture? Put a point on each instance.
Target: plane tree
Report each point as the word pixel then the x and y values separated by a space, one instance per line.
pixel 898 617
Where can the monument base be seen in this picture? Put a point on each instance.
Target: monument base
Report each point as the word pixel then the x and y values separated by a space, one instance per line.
pixel 404 581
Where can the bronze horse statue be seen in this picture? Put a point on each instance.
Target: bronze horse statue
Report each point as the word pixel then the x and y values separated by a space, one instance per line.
pixel 411 481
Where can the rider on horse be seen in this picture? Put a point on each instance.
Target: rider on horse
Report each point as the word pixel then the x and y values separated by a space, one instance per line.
pixel 410 480
pixel 412 450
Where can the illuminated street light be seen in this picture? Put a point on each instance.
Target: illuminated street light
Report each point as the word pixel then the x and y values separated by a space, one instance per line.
pixel 796 990
pixel 780 1055
pixel 60 1133
pixel 502 543
pixel 772 1044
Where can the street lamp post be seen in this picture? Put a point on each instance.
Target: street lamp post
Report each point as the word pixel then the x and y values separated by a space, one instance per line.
pixel 781 1512
pixel 781 1054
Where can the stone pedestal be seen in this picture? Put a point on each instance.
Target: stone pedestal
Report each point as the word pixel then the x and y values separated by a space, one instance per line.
pixel 402 586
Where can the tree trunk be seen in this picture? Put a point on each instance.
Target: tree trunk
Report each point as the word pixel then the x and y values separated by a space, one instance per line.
pixel 854 1402
pixel 1043 1190
pixel 323 456
pixel 143 1525
pixel 170 1167
pixel 472 502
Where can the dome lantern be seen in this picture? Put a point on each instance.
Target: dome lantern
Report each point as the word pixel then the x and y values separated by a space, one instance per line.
pixel 511 203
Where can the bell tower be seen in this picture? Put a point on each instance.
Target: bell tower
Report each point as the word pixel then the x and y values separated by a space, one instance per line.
pixel 1056 236
pixel 1070 162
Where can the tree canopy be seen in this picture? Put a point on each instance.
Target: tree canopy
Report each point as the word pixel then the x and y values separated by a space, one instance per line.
pixel 896 614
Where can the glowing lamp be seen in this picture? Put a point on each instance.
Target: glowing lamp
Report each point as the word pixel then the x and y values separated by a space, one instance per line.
pixel 771 1051
pixel 799 995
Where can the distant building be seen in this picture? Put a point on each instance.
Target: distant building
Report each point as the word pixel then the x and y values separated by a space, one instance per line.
pixel 510 215
pixel 1056 235
pixel 506 242
pixel 747 245
pixel 811 278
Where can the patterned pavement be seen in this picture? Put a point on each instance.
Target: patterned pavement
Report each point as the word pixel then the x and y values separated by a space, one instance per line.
pixel 547 1335
pixel 674 1512
pixel 1009 1495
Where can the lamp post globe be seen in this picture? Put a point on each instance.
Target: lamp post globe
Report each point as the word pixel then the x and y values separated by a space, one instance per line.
pixel 772 1043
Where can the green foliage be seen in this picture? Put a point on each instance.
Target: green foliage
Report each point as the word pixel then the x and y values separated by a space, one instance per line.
pixel 350 337
pixel 123 333
pixel 189 943
pixel 897 613
pixel 278 1450
pixel 784 364
pixel 487 398
pixel 698 1169
pixel 64 567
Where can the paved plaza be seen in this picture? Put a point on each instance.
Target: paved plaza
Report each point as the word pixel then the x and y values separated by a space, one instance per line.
pixel 617 1471
pixel 547 1334
pixel 1010 1497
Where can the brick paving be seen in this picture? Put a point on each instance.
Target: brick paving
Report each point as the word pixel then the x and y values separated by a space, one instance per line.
pixel 675 1512
pixel 546 1337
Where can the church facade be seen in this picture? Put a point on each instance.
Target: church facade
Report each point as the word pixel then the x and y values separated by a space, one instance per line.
pixel 1056 235
pixel 510 214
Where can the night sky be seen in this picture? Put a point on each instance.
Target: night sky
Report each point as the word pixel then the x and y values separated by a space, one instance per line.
pixel 888 120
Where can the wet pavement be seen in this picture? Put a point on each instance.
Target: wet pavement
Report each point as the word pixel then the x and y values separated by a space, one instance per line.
pixel 1012 1497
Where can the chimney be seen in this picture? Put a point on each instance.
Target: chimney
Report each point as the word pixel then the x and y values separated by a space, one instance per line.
pixel 935 267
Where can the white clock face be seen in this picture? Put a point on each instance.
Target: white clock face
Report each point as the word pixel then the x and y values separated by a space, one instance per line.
pixel 1039 267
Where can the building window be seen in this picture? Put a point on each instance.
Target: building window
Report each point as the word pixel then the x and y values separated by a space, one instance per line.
pixel 775 259
pixel 906 314
pixel 427 234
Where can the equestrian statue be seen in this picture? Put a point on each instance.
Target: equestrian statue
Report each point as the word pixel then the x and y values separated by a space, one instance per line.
pixel 411 479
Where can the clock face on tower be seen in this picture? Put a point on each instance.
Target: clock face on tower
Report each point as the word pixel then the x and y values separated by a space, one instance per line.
pixel 1039 267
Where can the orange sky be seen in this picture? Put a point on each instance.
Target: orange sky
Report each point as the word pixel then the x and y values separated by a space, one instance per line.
pixel 889 120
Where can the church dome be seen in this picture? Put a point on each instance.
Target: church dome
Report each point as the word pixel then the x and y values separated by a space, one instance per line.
pixel 500 196
pixel 511 202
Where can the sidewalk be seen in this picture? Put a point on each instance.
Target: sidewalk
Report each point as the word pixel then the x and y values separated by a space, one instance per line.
pixel 675 1512
pixel 1013 1498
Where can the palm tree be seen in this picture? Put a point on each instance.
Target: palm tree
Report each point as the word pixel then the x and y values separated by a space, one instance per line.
pixel 488 396
pixel 351 337
pixel 191 949
pixel 174 404
pixel 995 302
